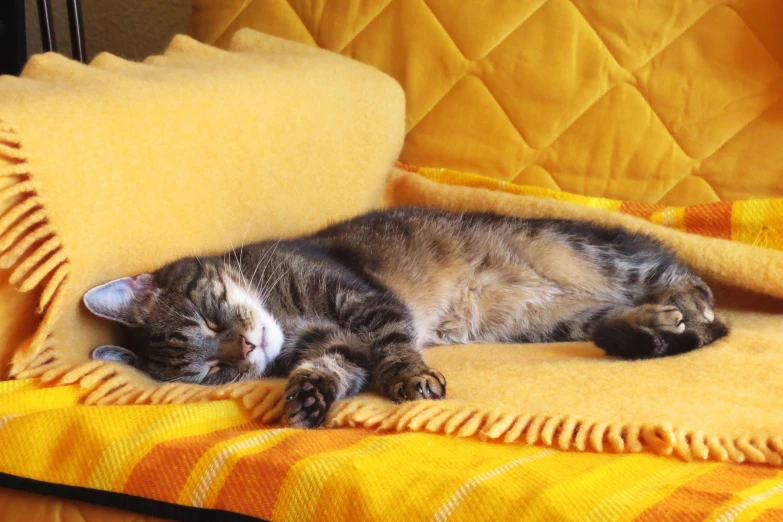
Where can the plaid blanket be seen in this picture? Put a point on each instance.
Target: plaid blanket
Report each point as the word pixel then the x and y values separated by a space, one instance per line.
pixel 753 221
pixel 213 456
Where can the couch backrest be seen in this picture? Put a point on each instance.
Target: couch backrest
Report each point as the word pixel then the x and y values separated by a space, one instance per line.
pixel 672 101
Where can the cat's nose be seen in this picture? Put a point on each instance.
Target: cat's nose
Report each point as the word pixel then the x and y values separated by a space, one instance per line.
pixel 247 347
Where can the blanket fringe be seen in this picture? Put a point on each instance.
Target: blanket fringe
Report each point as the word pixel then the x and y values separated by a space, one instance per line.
pixel 29 247
pixel 107 383
pixel 565 433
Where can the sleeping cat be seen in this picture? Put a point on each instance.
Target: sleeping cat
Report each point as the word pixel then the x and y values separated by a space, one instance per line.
pixel 350 307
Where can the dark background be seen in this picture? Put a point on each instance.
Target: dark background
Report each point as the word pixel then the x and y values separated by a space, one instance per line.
pixel 13 47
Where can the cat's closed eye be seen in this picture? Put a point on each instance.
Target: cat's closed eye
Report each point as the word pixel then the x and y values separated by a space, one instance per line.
pixel 210 324
pixel 214 366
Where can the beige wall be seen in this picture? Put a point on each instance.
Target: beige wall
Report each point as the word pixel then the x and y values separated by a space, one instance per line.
pixel 129 28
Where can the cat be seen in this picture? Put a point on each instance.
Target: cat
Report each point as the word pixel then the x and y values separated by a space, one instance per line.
pixel 350 307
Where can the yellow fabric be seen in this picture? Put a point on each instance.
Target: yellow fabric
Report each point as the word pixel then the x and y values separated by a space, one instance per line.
pixel 673 101
pixel 212 456
pixel 595 104
pixel 539 394
pixel 116 168
pixel 709 404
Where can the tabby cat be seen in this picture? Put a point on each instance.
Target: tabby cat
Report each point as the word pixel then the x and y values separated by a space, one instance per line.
pixel 350 307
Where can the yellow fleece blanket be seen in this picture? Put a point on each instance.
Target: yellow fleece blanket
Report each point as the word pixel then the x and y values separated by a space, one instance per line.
pixel 117 168
pixel 216 456
pixel 754 221
pixel 711 404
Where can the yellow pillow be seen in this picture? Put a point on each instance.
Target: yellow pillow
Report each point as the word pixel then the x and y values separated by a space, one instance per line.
pixel 117 168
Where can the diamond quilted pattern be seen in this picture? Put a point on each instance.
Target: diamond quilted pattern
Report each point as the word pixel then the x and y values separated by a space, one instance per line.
pixel 335 24
pixel 634 152
pixel 754 154
pixel 737 81
pixel 634 32
pixel 263 16
pixel 536 78
pixel 479 27
pixel 672 101
pixel 435 63
pixel 495 145
pixel 763 19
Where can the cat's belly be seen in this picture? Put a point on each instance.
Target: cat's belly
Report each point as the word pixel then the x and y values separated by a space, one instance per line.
pixel 492 308
pixel 497 296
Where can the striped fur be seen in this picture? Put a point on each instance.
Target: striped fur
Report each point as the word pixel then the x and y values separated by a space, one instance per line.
pixel 350 307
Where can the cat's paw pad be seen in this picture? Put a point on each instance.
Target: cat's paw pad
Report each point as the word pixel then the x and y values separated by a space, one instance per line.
pixel 424 384
pixel 308 398
pixel 663 318
pixel 670 319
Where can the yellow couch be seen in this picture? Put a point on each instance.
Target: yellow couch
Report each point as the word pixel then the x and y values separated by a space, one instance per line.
pixel 676 102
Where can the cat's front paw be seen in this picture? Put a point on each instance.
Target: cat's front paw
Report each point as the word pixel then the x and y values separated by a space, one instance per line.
pixel 424 383
pixel 308 398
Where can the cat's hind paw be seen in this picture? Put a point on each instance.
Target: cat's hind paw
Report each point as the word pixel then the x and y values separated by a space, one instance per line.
pixel 659 317
pixel 652 331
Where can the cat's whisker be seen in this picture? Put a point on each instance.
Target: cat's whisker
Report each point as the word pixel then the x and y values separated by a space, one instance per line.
pixel 173 379
pixel 277 272
pixel 271 254
pixel 267 255
pixel 239 265
pixel 284 273
pixel 242 246
pixel 252 219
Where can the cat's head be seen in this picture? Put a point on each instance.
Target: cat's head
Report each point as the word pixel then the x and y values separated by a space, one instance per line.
pixel 194 320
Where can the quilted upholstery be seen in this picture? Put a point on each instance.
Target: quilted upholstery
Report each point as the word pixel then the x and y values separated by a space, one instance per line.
pixel 672 101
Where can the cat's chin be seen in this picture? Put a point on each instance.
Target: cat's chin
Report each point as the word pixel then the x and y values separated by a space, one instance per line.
pixel 269 346
pixel 263 330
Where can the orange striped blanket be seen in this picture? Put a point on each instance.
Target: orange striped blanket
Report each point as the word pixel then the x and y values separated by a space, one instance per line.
pixel 213 456
pixel 753 221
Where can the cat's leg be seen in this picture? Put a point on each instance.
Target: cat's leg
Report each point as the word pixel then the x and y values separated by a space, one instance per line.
pixel 397 369
pixel 329 363
pixel 373 342
pixel 680 319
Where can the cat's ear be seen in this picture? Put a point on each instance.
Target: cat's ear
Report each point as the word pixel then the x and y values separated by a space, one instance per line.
pixel 116 354
pixel 119 300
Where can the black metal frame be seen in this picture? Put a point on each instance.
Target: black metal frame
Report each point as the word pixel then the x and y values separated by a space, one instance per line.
pixel 13 46
pixel 76 27
pixel 46 24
